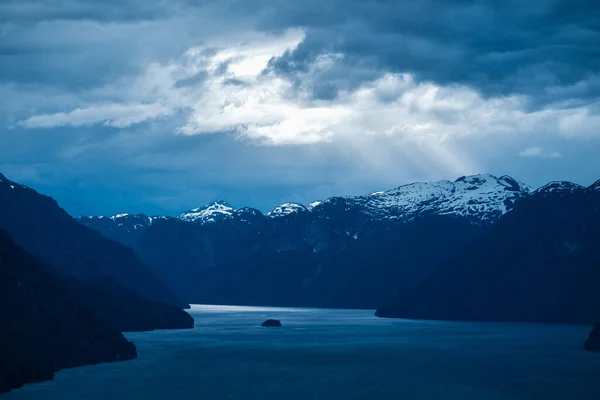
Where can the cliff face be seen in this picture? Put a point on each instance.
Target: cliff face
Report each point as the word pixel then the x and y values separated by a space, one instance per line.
pixel 38 224
pixel 43 326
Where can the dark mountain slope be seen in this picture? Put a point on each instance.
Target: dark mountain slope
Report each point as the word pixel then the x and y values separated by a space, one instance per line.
pixel 40 226
pixel 538 263
pixel 43 326
pixel 390 257
pixel 124 309
pixel 355 273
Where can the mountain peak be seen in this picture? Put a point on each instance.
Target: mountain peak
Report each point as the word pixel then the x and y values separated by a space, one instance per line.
pixel 215 211
pixel 507 181
pixel 558 186
pixel 287 209
pixel 478 178
pixel 514 184
pixel 595 187
pixel 482 198
pixel 220 202
pixel 119 215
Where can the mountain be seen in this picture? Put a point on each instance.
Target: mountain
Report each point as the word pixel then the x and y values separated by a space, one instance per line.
pixel 124 309
pixel 537 263
pixel 212 212
pixel 123 228
pixel 480 199
pixel 350 272
pixel 43 326
pixel 343 251
pixel 45 230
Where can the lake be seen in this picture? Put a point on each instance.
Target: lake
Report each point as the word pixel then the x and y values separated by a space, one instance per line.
pixel 338 354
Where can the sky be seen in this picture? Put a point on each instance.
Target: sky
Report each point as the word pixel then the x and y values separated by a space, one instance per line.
pixel 159 106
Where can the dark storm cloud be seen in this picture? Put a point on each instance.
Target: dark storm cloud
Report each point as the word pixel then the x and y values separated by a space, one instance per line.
pixel 82 44
pixel 496 47
pixel 32 11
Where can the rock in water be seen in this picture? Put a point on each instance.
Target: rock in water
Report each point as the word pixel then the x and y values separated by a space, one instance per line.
pixel 593 341
pixel 272 322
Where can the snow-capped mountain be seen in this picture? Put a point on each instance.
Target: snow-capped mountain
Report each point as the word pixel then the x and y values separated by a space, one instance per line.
pixel 212 212
pixel 559 187
pixel 123 227
pixel 335 222
pixel 248 215
pixel 287 209
pixel 480 198
pixel 128 221
pixel 348 251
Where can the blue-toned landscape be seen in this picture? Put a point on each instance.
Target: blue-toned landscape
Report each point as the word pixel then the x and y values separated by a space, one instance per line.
pixel 282 199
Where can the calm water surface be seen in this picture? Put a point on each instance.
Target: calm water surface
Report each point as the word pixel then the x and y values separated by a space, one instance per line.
pixel 338 354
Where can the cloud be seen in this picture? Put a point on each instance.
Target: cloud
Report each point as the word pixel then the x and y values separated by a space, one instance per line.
pixel 496 48
pixel 539 152
pixel 231 87
pixel 113 115
pixel 177 101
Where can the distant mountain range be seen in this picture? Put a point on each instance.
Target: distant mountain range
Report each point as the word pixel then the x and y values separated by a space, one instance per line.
pixel 351 251
pixel 480 198
pixel 481 247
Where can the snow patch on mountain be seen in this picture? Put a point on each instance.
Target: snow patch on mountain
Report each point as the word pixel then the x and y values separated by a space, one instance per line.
pixel 479 197
pixel 287 209
pixel 313 204
pixel 117 216
pixel 212 212
pixel 559 186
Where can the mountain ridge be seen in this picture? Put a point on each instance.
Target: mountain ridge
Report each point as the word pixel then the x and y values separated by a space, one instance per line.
pixel 538 263
pixel 220 209
pixel 39 225
pixel 197 251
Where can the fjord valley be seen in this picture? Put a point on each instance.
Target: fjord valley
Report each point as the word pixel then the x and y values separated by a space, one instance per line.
pixel 481 248
pixel 350 252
